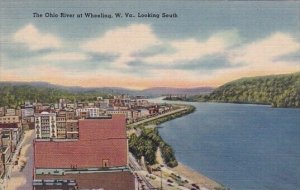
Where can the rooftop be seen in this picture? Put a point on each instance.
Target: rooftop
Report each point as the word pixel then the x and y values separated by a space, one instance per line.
pixel 119 180
pixel 99 139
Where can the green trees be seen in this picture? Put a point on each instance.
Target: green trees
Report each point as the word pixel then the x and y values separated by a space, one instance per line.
pixel 146 145
pixel 143 146
pixel 16 95
pixel 277 90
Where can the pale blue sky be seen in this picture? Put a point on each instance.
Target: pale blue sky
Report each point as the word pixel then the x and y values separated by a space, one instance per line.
pixel 209 43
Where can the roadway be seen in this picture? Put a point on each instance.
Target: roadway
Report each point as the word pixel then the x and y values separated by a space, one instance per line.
pixel 140 175
pixel 22 179
pixel 183 108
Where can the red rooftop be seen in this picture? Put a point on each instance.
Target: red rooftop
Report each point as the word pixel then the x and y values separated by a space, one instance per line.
pixel 102 145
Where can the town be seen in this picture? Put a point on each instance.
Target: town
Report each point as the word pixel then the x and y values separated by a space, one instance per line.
pixel 76 145
pixel 104 142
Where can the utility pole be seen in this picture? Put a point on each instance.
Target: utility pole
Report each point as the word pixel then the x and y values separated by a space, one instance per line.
pixel 161 187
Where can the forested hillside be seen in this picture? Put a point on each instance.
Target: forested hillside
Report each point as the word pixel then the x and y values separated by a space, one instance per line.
pixel 16 95
pixel 276 90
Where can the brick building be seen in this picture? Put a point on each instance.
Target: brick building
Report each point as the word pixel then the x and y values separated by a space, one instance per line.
pixel 72 129
pixel 96 160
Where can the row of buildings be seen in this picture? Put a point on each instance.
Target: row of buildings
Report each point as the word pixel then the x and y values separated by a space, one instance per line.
pixel 60 120
pixel 77 145
pixel 10 136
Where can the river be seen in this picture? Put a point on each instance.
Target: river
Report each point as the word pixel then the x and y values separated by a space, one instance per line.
pixel 244 147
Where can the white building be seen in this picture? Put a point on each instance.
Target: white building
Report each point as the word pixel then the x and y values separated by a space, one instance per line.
pixel 10 112
pixel 45 125
pixel 27 111
pixel 144 112
pixel 127 113
pixel 92 112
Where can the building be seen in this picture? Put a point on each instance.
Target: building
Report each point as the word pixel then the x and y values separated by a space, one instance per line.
pixel 3 149
pixel 127 113
pixel 62 104
pixel 2 111
pixel 72 129
pixel 96 160
pixel 70 105
pixel 45 125
pixel 136 115
pixel 10 112
pixel 10 136
pixel 61 125
pixel 90 112
pixel 27 110
pixel 70 115
pixel 144 112
pixel 5 152
pixel 9 119
pixel 13 132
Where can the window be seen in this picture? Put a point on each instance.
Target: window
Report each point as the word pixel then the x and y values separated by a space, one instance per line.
pixel 105 163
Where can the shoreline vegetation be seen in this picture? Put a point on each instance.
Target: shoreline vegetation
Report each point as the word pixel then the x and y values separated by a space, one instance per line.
pixel 151 150
pixel 279 91
pixel 145 141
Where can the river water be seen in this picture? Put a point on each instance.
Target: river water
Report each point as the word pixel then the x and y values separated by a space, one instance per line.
pixel 244 147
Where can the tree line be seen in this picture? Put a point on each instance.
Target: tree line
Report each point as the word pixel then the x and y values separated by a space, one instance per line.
pixel 16 95
pixel 147 143
pixel 275 90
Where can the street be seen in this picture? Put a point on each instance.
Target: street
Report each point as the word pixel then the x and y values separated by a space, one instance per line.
pixel 20 180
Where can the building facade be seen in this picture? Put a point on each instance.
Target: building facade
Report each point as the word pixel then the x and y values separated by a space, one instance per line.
pixel 96 160
pixel 45 125
pixel 72 129
pixel 9 119
pixel 90 112
pixel 61 126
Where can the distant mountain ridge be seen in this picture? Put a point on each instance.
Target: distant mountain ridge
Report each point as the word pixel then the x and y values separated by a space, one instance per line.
pixel 177 91
pixel 276 90
pixel 155 91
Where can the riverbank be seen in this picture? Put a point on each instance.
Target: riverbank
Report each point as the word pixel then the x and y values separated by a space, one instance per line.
pixel 185 172
pixel 192 178
pixel 156 120
pixel 196 177
pixel 201 98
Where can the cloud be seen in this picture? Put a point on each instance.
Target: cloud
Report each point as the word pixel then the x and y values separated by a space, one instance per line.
pixel 265 51
pixel 64 57
pixel 124 42
pixel 36 40
pixel 192 49
pixel 155 50
pixel 134 56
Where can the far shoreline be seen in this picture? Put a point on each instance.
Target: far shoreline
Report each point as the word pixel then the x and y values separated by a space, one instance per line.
pixel 222 102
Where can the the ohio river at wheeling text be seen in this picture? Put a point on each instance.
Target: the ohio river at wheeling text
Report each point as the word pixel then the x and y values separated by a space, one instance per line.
pixel 244 147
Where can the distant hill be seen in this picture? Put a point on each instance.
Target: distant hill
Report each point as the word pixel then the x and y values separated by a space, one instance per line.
pixel 276 90
pixel 158 91
pixel 75 89
pixel 15 93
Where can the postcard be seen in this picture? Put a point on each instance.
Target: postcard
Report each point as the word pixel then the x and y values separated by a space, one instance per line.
pixel 134 95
